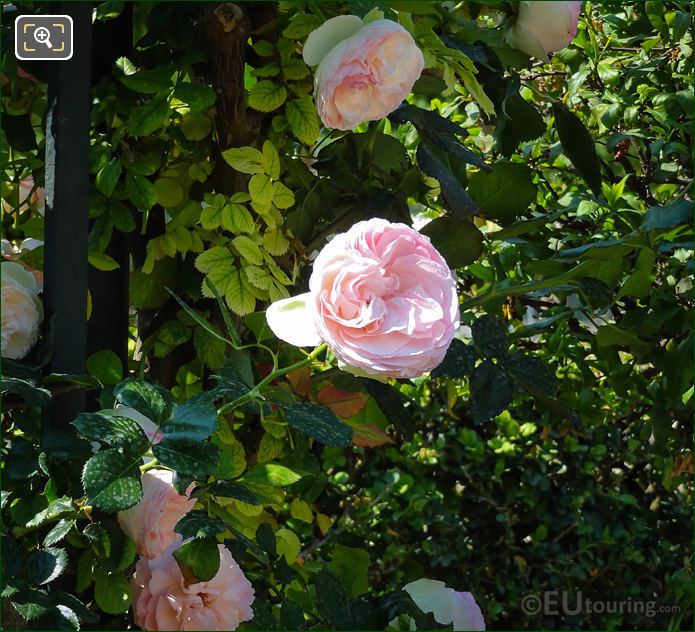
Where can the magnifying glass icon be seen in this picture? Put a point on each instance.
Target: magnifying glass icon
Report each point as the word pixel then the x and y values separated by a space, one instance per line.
pixel 43 36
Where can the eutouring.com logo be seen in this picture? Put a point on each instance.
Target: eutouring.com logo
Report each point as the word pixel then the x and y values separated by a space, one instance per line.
pixel 560 602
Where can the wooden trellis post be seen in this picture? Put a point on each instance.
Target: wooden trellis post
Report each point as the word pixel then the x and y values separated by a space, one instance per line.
pixel 67 209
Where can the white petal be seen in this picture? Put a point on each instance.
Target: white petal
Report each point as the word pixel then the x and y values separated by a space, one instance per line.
pixel 292 320
pixel 522 39
pixel 432 596
pixel 321 41
pixel 17 275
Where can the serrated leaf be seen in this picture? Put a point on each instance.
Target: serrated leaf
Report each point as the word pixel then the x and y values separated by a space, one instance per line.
pixel 261 189
pixel 198 96
pixel 111 480
pixel 532 373
pixel 490 336
pixel 303 119
pixel 458 362
pixel 108 176
pixel 194 459
pixel 149 81
pixel 276 244
pixel 491 391
pixel 114 430
pixel 319 423
pixel 244 159
pixel 266 96
pixel 45 565
pixel 248 249
pixel 301 25
pixel 195 420
pixel 238 219
pixel 200 556
pixel 197 524
pixel 98 538
pixel 231 489
pixel 31 603
pixel 150 117
pixel 283 198
pixel 271 160
pixel 272 474
pixel 140 191
pixel 239 294
pixel 58 532
pixel 150 400
pixel 260 277
pixel 112 592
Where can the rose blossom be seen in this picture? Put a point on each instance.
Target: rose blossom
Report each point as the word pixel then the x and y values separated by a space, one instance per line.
pixel 364 70
pixel 381 297
pixel 162 601
pixel 544 27
pixel 446 604
pixel 22 311
pixel 151 522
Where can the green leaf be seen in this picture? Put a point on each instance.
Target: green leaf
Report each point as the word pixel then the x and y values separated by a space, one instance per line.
pixel 148 118
pixel 98 538
pixel 103 262
pixel 195 420
pixel 275 242
pixel 29 392
pixel 674 214
pixel 352 566
pixel 267 96
pixel 57 533
pixel 272 474
pixel 140 191
pixel 107 177
pixel 239 293
pixel 337 608
pixel 394 404
pixel 117 431
pixel 283 198
pixel 271 160
pixel 45 565
pixel 112 592
pixel 504 192
pixel 111 480
pixel 105 366
pixel 532 373
pixel 612 335
pixel 31 603
pixel 197 524
pixel 194 459
pixel 578 146
pixel 230 489
pixel 238 220
pixel 261 189
pixel 303 119
pixel 244 159
pixel 149 81
pixel 490 336
pixel 196 126
pixel 169 191
pixel 152 401
pixel 458 362
pixel 198 96
pixel 319 423
pixel 301 25
pixel 248 249
pixel 200 556
pixel 458 240
pixel 491 391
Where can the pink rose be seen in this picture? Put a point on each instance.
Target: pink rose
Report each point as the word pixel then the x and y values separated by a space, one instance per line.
pixel 21 308
pixel 381 297
pixel 151 522
pixel 446 604
pixel 544 27
pixel 162 601
pixel 364 70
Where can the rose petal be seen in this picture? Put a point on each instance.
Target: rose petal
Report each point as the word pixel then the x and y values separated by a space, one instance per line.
pixel 321 41
pixel 292 320
pixel 446 604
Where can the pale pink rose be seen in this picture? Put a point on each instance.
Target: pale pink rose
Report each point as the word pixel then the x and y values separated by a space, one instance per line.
pixel 364 70
pixel 544 27
pixel 162 601
pixel 26 198
pixel 446 604
pixel 21 310
pixel 151 522
pixel 381 297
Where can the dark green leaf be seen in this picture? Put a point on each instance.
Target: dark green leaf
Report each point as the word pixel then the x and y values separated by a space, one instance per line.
pixel 230 489
pixel 152 401
pixel 112 592
pixel 29 392
pixel 198 96
pixel 532 373
pixel 266 539
pixel 111 480
pixel 396 406
pixel 458 241
pixel 57 533
pixel 31 603
pixel 45 565
pixel 150 117
pixel 491 391
pixel 505 192
pixel 578 146
pixel 117 431
pixel 337 608
pixel 319 423
pixel 149 81
pixel 200 556
pixel 140 191
pixel 18 131
pixel 195 420
pixel 490 336
pixel 458 362
pixel 98 538
pixel 197 524
pixel 674 214
pixel 108 176
pixel 105 366
pixel 195 459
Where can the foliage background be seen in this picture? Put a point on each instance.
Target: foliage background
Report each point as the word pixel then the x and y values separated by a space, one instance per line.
pixel 565 463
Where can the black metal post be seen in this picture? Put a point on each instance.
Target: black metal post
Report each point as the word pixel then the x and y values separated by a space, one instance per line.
pixel 67 210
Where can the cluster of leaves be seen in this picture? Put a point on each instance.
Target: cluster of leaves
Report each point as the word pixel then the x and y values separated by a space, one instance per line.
pixel 552 450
